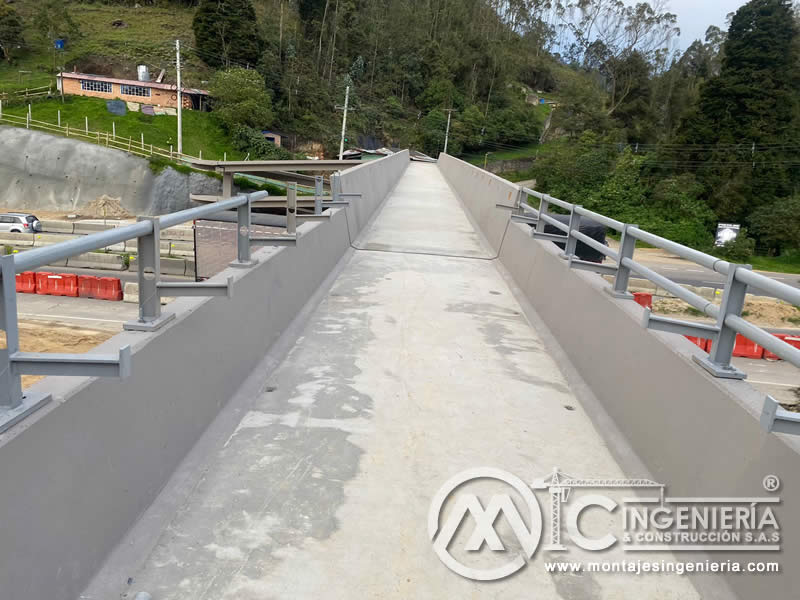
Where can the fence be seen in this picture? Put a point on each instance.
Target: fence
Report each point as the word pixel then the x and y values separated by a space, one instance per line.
pixel 728 315
pixel 37 92
pixel 14 405
pixel 102 138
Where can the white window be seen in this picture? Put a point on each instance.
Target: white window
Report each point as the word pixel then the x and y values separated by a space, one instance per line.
pixel 95 86
pixel 135 90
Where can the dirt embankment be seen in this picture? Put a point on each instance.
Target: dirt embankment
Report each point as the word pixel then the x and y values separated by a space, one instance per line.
pixel 761 311
pixel 37 336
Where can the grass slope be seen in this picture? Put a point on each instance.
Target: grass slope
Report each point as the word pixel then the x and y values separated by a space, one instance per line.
pixel 201 131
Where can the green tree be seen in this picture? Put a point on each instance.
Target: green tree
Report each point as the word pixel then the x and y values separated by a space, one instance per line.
pixel 10 30
pixel 226 33
pixel 240 98
pixel 778 224
pixel 746 124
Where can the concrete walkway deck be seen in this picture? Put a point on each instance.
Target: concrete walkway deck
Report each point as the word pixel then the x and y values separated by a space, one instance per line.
pixel 418 364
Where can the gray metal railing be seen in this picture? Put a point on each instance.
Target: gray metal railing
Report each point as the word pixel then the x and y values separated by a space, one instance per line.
pixel 728 315
pixel 15 405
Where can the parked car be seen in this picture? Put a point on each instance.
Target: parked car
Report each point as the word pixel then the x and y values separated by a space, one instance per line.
pixel 19 223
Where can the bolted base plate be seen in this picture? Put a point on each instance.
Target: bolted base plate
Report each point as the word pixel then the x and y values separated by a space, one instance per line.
pixel 31 402
pixel 244 264
pixel 614 294
pixel 716 370
pixel 148 325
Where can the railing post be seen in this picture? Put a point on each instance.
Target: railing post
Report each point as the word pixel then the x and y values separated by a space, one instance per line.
pixel 243 227
pixel 574 225
pixel 544 204
pixel 149 259
pixel 291 208
pixel 14 405
pixel 718 362
pixel 627 246
pixel 336 186
pixel 10 382
pixel 318 192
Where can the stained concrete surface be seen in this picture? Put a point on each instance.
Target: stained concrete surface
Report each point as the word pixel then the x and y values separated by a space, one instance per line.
pixel 414 367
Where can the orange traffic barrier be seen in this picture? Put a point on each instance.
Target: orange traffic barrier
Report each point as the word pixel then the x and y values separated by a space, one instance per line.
pixel 64 284
pixel 698 341
pixel 746 348
pixel 26 282
pixel 643 298
pixel 110 289
pixel 88 286
pixel 43 283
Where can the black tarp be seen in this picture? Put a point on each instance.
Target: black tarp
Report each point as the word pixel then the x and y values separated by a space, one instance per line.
pixel 593 229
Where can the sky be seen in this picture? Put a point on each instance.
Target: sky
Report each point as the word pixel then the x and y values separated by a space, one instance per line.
pixel 695 16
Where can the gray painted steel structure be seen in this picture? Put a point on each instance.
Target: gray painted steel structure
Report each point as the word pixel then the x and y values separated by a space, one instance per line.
pixel 91 461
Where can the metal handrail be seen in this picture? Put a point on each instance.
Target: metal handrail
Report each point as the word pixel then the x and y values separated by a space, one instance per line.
pixel 728 315
pixel 13 404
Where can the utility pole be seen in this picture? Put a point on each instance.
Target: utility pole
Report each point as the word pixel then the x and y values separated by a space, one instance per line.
pixel 344 119
pixel 180 97
pixel 449 112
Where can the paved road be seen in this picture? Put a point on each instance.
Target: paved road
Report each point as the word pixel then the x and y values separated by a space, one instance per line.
pixel 83 312
pixel 418 364
pixel 697 276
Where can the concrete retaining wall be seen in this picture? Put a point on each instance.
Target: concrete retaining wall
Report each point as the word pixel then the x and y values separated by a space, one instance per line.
pixel 78 473
pixel 46 172
pixel 698 435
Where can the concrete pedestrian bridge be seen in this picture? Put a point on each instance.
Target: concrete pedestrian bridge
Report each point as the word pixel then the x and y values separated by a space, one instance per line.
pixel 288 442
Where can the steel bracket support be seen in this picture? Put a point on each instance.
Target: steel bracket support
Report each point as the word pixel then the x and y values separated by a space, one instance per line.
pixel 677 326
pixel 549 237
pixel 179 289
pixel 718 362
pixel 572 241
pixel 778 419
pixel 149 259
pixel 627 246
pixel 585 265
pixel 244 224
pixel 275 240
pixel 524 219
pixel 74 365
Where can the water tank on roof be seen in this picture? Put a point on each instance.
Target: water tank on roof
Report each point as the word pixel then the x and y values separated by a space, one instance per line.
pixel 143 73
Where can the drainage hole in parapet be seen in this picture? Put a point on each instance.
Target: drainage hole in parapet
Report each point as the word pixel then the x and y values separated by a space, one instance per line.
pixel 271 388
pixel 494 293
pixel 569 407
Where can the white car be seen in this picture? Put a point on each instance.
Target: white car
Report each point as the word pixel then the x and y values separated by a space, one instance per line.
pixel 19 223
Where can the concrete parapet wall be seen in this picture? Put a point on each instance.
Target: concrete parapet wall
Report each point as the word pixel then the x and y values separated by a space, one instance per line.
pixel 698 435
pixel 79 472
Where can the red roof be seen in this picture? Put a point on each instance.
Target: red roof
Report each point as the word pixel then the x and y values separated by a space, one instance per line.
pixel 147 84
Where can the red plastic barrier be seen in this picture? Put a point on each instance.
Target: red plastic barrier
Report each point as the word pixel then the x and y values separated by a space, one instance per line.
pixel 64 284
pixel 88 286
pixel 110 289
pixel 769 355
pixel 747 348
pixel 643 298
pixel 697 341
pixel 43 283
pixel 26 282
